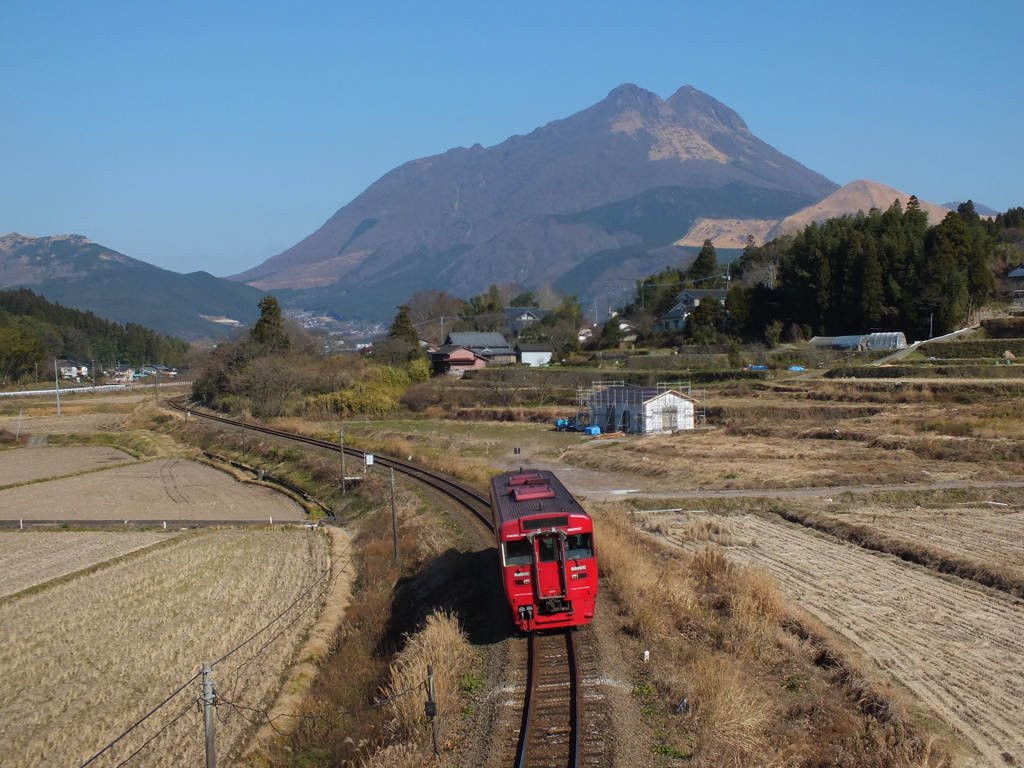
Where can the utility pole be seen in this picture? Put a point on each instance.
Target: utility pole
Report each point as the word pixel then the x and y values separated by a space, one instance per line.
pixel 394 520
pixel 430 708
pixel 341 439
pixel 209 699
pixel 56 384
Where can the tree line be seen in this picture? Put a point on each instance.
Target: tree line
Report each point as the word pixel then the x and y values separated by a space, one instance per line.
pixel 35 332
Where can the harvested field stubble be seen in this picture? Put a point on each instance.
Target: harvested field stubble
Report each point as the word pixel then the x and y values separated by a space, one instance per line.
pixel 754 692
pixel 970 536
pixel 955 646
pixel 33 558
pixel 85 659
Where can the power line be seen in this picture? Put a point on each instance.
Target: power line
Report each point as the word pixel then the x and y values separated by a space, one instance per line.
pixel 266 716
pixel 297 600
pixel 185 711
pixel 143 719
pixel 192 679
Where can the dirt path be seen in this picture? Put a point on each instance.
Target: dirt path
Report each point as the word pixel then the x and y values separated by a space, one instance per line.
pixel 957 647
pixel 598 485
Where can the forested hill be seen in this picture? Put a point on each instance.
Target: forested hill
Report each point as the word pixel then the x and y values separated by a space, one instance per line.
pixel 884 270
pixel 34 330
pixel 88 276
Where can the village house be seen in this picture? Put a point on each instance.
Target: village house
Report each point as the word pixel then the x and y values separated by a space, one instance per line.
pixel 453 360
pixel 688 300
pixel 492 347
pixel 69 369
pixel 518 319
pixel 534 355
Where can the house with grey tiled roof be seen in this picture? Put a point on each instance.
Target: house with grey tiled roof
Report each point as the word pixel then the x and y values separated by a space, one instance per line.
pixel 491 346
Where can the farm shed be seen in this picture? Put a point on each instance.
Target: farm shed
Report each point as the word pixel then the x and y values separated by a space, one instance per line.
pixel 640 410
pixel 534 355
pixel 884 341
pixel 873 342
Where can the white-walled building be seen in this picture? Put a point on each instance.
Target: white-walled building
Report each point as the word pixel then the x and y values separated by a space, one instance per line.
pixel 640 410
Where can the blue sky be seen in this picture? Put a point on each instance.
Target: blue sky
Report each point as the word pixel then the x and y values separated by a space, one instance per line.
pixel 213 135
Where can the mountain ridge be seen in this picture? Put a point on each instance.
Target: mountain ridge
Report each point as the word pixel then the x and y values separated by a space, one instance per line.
pixel 478 215
pixel 80 274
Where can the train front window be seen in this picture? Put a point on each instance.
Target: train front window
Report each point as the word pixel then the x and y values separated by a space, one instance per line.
pixel 579 546
pixel 518 552
pixel 548 549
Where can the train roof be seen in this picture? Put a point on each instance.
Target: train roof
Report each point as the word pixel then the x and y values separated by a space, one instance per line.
pixel 530 492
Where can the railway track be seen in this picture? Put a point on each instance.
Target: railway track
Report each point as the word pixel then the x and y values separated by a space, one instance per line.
pixel 550 730
pixel 550 734
pixel 477 504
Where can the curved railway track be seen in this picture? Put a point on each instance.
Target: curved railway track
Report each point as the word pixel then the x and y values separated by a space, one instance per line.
pixel 479 505
pixel 550 731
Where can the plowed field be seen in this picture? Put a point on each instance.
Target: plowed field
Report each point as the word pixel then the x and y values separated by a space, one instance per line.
pixel 162 489
pixel 28 464
pixel 958 647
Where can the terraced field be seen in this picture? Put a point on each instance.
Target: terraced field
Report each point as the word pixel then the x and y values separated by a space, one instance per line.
pixel 85 659
pixel 34 558
pixel 956 646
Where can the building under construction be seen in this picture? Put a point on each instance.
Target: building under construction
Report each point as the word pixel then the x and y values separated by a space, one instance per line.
pixel 664 408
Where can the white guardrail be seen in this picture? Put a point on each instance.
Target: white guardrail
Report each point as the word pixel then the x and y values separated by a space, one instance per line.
pixel 73 390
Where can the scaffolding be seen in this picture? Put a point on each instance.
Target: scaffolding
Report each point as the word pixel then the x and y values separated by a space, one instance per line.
pixel 621 402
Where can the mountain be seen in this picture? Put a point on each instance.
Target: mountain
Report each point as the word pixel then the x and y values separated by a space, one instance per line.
pixel 599 195
pixel 860 195
pixel 81 274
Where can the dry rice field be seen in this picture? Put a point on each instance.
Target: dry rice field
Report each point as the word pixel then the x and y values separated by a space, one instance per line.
pixel 956 646
pixel 27 464
pixel 985 532
pixel 85 659
pixel 35 558
pixel 160 489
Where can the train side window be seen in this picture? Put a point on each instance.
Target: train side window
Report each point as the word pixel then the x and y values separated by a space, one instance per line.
pixel 518 552
pixel 548 549
pixel 579 546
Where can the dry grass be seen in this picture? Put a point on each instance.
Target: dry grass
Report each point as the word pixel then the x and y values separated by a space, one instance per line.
pixel 85 659
pixel 442 645
pixel 760 688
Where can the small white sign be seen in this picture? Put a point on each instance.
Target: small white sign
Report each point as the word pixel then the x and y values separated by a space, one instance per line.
pixel 368 458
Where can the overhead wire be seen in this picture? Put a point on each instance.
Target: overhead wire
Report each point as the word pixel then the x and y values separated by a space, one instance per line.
pixel 270 719
pixel 140 721
pixel 143 719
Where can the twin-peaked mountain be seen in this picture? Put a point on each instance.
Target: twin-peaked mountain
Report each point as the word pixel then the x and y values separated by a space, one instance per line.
pixel 609 193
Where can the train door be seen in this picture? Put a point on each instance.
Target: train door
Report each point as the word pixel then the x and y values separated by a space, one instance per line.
pixel 550 573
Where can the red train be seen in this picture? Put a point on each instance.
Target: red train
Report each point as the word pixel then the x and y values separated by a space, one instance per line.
pixel 546 546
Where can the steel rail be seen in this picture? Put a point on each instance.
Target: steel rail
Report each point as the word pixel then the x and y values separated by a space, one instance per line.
pixel 529 728
pixel 479 506
pixel 466 497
